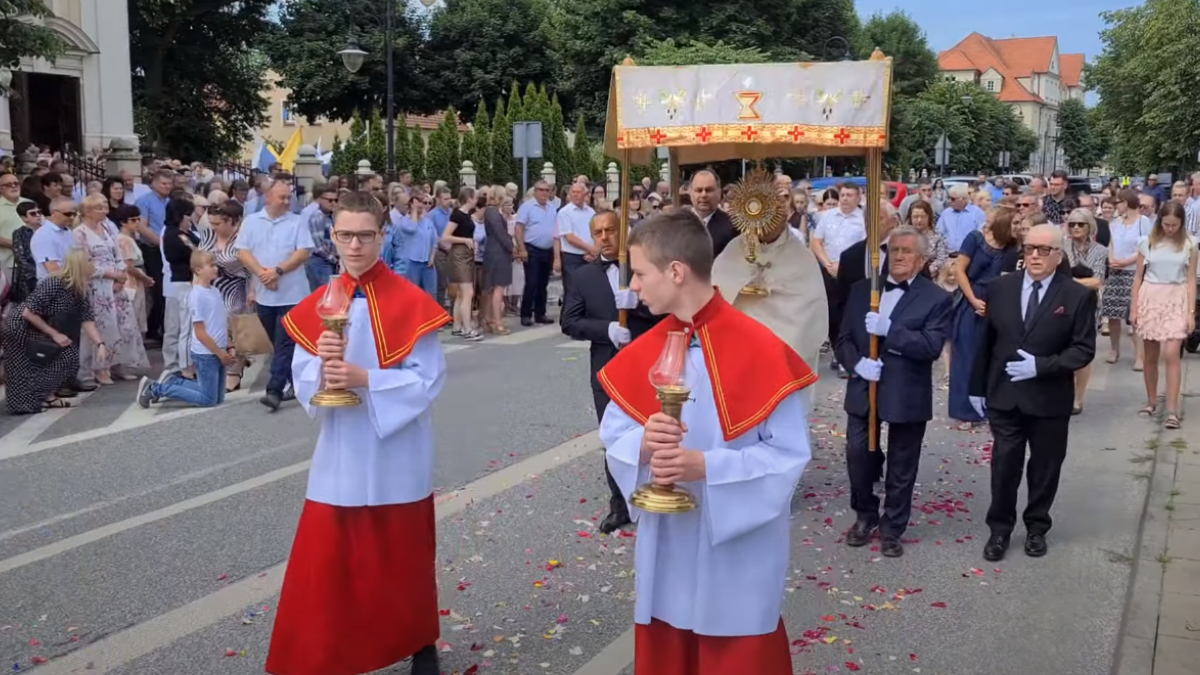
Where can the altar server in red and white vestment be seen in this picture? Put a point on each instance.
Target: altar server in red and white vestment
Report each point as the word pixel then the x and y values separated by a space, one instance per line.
pixel 361 592
pixel 710 583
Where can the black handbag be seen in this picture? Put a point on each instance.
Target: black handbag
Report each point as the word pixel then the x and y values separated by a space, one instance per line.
pixel 41 350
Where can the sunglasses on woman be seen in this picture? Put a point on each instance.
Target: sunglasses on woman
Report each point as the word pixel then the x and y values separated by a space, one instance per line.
pixel 1077 223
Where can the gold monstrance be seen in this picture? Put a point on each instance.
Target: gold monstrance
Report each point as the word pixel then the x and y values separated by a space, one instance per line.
pixel 667 376
pixel 334 310
pixel 755 210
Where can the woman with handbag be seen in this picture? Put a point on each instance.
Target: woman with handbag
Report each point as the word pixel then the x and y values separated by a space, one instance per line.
pixel 42 335
pixel 1089 265
pixel 232 281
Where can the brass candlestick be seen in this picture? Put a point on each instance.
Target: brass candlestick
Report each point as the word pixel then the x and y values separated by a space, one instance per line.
pixel 667 376
pixel 334 310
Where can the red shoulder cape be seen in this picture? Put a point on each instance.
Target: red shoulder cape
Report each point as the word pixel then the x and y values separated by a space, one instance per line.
pixel 751 369
pixel 401 314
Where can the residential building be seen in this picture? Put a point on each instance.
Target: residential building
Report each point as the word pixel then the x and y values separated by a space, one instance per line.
pixel 1030 75
pixel 282 123
pixel 84 98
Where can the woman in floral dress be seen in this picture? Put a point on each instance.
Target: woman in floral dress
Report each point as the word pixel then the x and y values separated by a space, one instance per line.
pixel 113 311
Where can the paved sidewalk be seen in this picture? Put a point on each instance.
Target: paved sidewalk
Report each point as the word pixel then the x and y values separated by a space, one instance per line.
pixel 1162 632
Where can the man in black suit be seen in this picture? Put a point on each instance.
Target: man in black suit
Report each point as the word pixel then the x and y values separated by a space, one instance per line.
pixel 912 322
pixel 591 312
pixel 1040 328
pixel 706 197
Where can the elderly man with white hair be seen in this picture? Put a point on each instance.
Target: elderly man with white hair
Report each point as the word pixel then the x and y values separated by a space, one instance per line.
pixel 1040 329
pixel 960 218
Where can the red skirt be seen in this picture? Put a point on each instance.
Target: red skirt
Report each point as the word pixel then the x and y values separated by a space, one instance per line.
pixel 360 592
pixel 662 649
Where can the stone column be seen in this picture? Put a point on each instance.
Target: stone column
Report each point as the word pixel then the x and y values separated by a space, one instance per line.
pixel 308 169
pixel 6 139
pixel 123 156
pixel 613 175
pixel 467 175
pixel 548 175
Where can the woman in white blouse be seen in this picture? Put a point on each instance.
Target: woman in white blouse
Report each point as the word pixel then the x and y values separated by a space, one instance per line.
pixel 1128 228
pixel 1164 303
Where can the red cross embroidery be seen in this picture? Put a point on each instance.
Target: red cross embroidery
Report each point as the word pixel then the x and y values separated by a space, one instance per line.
pixel 749 133
pixel 658 137
pixel 795 133
pixel 841 136
pixel 883 137
pixel 704 134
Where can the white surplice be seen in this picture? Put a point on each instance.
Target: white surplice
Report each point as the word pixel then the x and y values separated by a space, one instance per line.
pixel 720 569
pixel 380 452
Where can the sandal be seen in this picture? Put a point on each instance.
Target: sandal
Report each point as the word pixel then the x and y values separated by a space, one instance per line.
pixel 1172 421
pixel 1112 357
pixel 230 390
pixel 58 403
pixel 1148 411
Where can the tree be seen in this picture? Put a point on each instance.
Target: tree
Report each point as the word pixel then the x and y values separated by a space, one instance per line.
pixel 403 156
pixel 914 65
pixel 504 168
pixel 469 150
pixel 557 150
pixel 581 154
pixel 482 127
pixel 20 38
pixel 417 155
pixel 1141 75
pixel 442 160
pixel 695 53
pixel 1076 136
pixel 515 107
pixel 304 53
pixel 347 153
pixel 476 45
pixel 197 84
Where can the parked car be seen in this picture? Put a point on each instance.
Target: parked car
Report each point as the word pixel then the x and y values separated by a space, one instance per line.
pixel 896 191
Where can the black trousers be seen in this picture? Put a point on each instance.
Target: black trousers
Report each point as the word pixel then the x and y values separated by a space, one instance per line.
pixel 836 301
pixel 616 500
pixel 1046 437
pixel 537 278
pixel 570 263
pixel 903 458
pixel 155 304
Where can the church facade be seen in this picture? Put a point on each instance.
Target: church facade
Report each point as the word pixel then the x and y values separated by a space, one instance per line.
pixel 83 99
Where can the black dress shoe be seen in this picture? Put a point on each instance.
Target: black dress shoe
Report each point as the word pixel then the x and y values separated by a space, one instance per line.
pixel 1035 545
pixel 81 387
pixel 891 547
pixel 544 320
pixel 271 400
pixel 615 520
pixel 425 662
pixel 860 533
pixel 526 321
pixel 996 547
pixel 66 393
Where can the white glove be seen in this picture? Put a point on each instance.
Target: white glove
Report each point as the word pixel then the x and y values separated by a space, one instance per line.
pixel 1025 369
pixel 626 299
pixel 877 324
pixel 979 404
pixel 869 369
pixel 619 335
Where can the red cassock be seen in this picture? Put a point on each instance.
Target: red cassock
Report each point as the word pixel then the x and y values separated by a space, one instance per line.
pixel 360 592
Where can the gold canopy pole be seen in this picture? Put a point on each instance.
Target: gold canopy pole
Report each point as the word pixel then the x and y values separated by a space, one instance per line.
pixel 673 175
pixel 874 180
pixel 623 245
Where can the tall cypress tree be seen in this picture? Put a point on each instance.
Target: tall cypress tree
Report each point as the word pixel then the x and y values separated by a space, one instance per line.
pixel 442 159
pixel 402 146
pixel 516 111
pixel 556 140
pixel 504 167
pixel 416 154
pixel 581 153
pixel 483 142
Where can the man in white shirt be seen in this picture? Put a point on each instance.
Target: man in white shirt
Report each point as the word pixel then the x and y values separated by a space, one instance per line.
pixel 837 230
pixel 574 222
pixel 273 245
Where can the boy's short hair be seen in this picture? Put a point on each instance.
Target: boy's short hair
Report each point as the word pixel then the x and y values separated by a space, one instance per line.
pixel 676 236
pixel 200 258
pixel 360 202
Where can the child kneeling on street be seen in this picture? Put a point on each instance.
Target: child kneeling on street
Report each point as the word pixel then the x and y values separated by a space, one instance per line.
pixel 210 345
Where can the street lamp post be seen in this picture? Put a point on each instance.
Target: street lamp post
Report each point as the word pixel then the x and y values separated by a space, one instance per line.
pixel 353 57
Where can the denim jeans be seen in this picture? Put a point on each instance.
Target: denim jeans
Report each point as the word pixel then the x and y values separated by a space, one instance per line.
pixel 318 270
pixel 423 276
pixel 281 360
pixel 206 391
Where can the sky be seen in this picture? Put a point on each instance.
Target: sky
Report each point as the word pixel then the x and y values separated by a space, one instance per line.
pixel 1076 23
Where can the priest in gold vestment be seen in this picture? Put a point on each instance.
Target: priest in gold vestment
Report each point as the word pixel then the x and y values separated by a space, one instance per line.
pixel 782 288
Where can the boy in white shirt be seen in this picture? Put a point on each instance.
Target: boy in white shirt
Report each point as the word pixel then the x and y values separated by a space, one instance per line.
pixel 210 345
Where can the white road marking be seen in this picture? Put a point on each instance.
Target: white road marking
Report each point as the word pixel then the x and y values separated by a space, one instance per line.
pixel 135 416
pixel 527 335
pixel 120 648
pixel 611 660
pixel 575 344
pixel 182 480
pixel 451 348
pixel 36 425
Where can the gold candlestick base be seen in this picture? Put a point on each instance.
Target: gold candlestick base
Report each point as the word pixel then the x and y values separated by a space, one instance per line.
pixel 335 398
pixel 753 289
pixel 666 499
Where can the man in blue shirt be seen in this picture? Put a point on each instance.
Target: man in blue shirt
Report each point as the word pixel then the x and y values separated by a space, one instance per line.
pixel 960 219
pixel 153 205
pixel 535 233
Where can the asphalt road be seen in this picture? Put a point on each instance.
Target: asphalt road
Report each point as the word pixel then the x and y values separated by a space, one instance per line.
pixel 153 543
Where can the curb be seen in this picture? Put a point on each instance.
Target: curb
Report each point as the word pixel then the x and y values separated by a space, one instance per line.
pixel 1139 625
